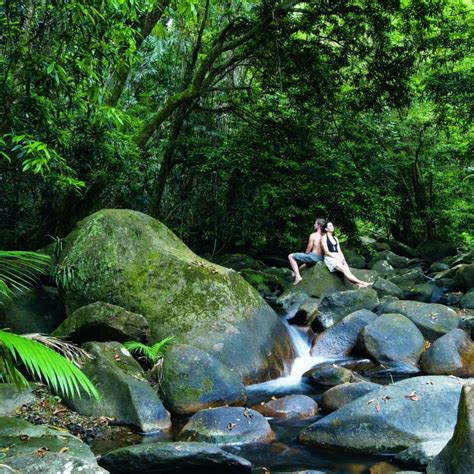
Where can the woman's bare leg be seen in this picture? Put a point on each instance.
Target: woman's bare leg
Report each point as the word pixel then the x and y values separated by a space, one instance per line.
pixel 351 277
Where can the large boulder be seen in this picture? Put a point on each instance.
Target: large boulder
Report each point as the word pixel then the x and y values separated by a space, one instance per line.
pixel 327 376
pixel 228 426
pixel 435 250
pixel 382 267
pixel 392 337
pixel 458 455
pixel 396 261
pixel 125 394
pixel 290 407
pixel 433 320
pixel 387 288
pixel 467 301
pixel 340 339
pixel 354 259
pixel 33 310
pixel 408 276
pixel 166 457
pixel 394 418
pixel 451 354
pixel 132 260
pixel 103 322
pixel 402 249
pixel 422 292
pixel 193 380
pixel 334 307
pixel 317 281
pixel 340 395
pixel 464 276
pixel 12 397
pixel 30 449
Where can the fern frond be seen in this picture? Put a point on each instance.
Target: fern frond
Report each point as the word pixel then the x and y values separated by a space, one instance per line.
pixel 159 348
pixel 143 349
pixel 44 364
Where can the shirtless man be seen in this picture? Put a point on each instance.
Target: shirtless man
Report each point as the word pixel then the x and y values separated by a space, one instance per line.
pixel 313 254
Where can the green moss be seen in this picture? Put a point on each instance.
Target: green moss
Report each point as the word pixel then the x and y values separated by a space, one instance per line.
pixel 336 423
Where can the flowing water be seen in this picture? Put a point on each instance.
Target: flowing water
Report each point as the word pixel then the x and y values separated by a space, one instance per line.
pixel 285 454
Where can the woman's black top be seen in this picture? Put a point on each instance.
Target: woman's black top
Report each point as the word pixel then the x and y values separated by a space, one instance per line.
pixel 332 247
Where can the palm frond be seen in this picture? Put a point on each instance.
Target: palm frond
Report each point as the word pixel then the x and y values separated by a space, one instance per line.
pixel 44 364
pixel 18 269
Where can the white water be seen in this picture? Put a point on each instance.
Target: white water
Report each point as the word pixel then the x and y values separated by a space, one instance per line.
pixel 302 363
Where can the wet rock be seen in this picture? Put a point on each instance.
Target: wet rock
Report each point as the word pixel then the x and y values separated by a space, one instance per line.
pixel 125 394
pixel 193 380
pixel 437 267
pixel 104 322
pixel 12 397
pixel 393 369
pixel 37 448
pixel 337 397
pixel 228 426
pixel 449 284
pixel 362 274
pixel 452 299
pixel 422 292
pixel 267 284
pixel 132 260
pixel 238 261
pixel 421 454
pixel 467 301
pixel 392 337
pixel 382 267
pixel 327 376
pixel 354 259
pixel 166 457
pixel 334 307
pixel 451 354
pixel 402 249
pixel 467 323
pixel 433 320
pixel 435 250
pixel 33 310
pixel 409 276
pixel 306 313
pixel 341 338
pixel 458 454
pixel 387 288
pixel 357 365
pixel 290 407
pixel 396 261
pixel 394 418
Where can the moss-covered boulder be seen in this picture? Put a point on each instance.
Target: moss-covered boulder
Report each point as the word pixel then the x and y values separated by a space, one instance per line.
pixel 228 426
pixel 29 449
pixel 193 380
pixel 327 376
pixel 458 455
pixel 387 288
pixel 104 322
pixel 268 284
pixel 435 250
pixel 464 276
pixel 396 261
pixel 125 394
pixel 392 337
pixel 422 292
pixel 402 249
pixel 467 301
pixel 317 280
pixel 132 260
pixel 407 276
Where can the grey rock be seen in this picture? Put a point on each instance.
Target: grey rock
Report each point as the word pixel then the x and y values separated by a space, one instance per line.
pixel 457 457
pixel 290 407
pixel 393 369
pixel 396 417
pixel 387 288
pixel 382 267
pixel 396 261
pixel 337 397
pixel 333 308
pixel 327 376
pixel 409 276
pixel 451 354
pixel 392 337
pixel 61 451
pixel 433 320
pixel 125 394
pixel 167 457
pixel 402 249
pixel 104 322
pixel 435 250
pixel 12 397
pixel 193 380
pixel 420 455
pixel 341 338
pixel 467 301
pixel 422 292
pixel 228 426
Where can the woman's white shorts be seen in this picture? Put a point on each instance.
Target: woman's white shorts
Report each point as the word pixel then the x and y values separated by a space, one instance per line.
pixel 331 263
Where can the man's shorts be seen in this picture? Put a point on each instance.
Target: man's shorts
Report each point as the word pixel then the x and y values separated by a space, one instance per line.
pixel 309 258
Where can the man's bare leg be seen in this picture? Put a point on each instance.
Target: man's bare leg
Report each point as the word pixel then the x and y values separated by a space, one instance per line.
pixel 296 270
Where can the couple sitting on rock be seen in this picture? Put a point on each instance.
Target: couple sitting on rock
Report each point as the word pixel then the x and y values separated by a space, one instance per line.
pixel 322 242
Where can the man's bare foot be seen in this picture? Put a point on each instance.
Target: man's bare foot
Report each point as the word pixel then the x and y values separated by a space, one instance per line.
pixel 297 280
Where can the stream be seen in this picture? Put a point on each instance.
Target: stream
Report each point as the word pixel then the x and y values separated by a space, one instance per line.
pixel 285 454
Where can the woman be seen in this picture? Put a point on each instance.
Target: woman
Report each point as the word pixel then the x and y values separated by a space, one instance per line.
pixel 334 258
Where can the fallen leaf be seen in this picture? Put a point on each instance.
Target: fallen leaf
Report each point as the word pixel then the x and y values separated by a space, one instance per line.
pixel 273 398
pixel 230 426
pixel 40 452
pixel 63 450
pixel 385 398
pixel 23 437
pixel 413 396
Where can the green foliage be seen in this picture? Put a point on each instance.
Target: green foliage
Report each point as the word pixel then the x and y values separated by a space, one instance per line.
pixel 42 363
pixel 150 353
